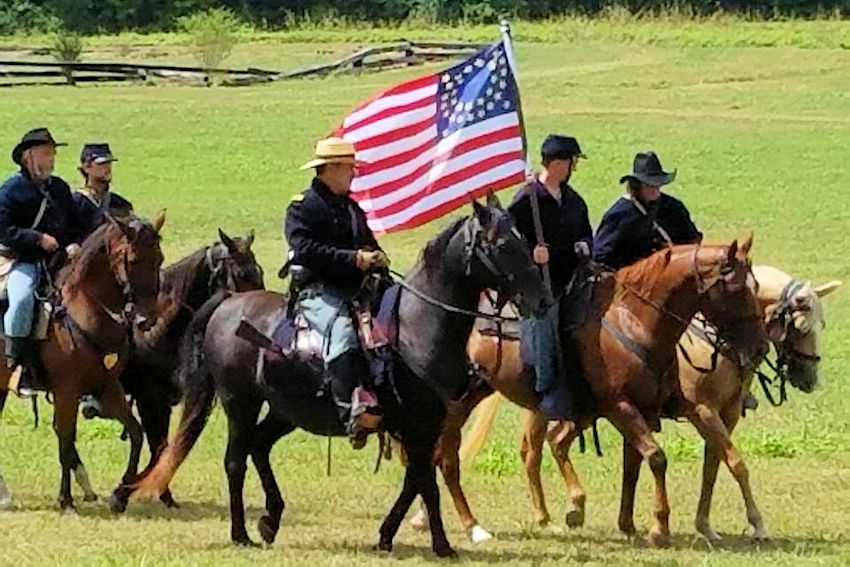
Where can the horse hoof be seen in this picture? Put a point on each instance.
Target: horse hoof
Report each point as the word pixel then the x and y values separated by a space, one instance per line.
pixel 761 535
pixel 5 501
pixel 419 522
pixel 479 535
pixel 708 533
pixel 69 511
pixel 544 521
pixel 168 500
pixel 244 541
pixel 575 519
pixel 117 504
pixel 445 551
pixel 384 546
pixel 90 497
pixel 266 529
pixel 658 538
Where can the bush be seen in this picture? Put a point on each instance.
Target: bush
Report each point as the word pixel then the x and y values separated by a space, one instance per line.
pixel 67 47
pixel 214 34
pixel 17 16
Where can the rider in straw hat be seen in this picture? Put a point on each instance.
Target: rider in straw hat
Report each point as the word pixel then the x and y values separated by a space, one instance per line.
pixel 328 235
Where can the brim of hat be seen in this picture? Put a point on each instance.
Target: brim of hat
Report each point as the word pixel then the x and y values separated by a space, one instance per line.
pixel 653 180
pixel 101 160
pixel 19 150
pixel 322 161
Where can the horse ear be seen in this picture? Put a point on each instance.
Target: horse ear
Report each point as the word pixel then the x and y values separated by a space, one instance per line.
pixel 249 238
pixel 493 201
pixel 158 221
pixel 482 213
pixel 747 244
pixel 827 288
pixel 227 241
pixel 732 252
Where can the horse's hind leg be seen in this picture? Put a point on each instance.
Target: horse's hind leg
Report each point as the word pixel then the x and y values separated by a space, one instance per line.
pixel 560 446
pixel 266 435
pixel 391 523
pixel 716 432
pixel 241 431
pixel 531 452
pixel 631 473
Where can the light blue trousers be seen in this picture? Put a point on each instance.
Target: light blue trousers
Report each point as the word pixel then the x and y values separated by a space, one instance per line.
pixel 20 288
pixel 327 312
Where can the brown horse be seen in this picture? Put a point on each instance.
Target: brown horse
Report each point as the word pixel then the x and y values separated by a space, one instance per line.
pixel 652 303
pixel 107 288
pixel 712 401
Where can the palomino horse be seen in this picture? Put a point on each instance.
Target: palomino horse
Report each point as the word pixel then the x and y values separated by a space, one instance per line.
pixel 110 285
pixel 435 319
pixel 712 401
pixel 186 285
pixel 651 303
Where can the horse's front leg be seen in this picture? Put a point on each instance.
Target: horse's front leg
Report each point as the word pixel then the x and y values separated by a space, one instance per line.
pixel 115 406
pixel 531 453
pixel 560 442
pixel 422 467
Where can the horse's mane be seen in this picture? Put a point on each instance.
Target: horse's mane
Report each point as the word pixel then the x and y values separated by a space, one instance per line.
pixel 73 272
pixel 644 273
pixel 178 277
pixel 435 250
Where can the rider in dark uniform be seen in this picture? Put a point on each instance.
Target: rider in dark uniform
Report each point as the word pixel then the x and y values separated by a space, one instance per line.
pixel 643 220
pixel 567 238
pixel 95 198
pixel 328 235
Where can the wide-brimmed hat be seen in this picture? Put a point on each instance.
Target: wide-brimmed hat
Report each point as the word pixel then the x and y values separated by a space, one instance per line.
pixel 97 153
pixel 647 169
pixel 556 146
pixel 332 150
pixel 35 137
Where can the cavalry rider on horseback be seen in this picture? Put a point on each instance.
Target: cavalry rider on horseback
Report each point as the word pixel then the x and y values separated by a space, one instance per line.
pixel 562 237
pixel 643 220
pixel 95 199
pixel 328 235
pixel 37 218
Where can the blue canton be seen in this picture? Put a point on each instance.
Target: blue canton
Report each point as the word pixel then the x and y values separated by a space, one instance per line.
pixel 480 88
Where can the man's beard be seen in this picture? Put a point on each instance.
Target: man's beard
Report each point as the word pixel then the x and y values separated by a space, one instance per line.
pixel 42 172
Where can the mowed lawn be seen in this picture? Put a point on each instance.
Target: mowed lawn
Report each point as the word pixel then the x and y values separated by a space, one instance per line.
pixel 761 139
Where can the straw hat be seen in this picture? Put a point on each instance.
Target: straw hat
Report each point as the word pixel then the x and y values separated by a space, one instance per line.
pixel 332 150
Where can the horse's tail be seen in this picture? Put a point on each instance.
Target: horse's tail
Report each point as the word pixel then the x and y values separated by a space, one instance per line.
pixel 484 417
pixel 198 396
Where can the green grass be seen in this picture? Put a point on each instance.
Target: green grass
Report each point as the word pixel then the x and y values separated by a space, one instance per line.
pixel 760 137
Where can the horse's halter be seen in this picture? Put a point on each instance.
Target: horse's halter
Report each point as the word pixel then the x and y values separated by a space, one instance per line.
pixel 220 267
pixel 784 315
pixel 121 273
pixel 482 249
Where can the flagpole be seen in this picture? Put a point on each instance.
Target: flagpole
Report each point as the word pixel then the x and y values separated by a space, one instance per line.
pixel 509 54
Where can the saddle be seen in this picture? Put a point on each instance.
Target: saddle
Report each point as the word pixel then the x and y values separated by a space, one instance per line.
pixel 374 311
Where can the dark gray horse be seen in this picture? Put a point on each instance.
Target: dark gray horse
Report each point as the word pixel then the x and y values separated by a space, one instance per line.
pixel 473 254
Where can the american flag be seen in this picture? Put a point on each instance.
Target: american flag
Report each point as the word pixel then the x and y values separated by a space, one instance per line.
pixel 433 143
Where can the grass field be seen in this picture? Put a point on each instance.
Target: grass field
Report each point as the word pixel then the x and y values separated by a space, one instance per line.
pixel 760 134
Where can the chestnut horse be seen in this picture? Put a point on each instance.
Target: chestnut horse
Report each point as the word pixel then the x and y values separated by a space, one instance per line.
pixel 712 401
pixel 109 286
pixel 651 302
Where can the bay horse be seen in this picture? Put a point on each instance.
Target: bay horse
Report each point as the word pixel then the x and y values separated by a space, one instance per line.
pixel 108 289
pixel 650 303
pixel 711 400
pixel 435 318
pixel 187 284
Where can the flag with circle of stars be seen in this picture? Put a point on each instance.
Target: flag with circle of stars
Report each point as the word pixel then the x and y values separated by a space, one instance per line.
pixel 480 88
